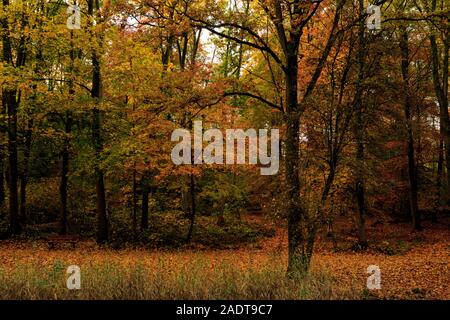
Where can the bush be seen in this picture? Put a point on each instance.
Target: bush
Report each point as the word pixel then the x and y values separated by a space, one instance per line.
pixel 389 248
pixel 169 229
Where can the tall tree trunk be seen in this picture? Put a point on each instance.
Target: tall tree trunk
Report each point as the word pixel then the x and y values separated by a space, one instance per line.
pixel 301 231
pixel 2 165
pixel 439 180
pixel 24 175
pixel 188 198
pixel 63 184
pixel 412 169
pixel 440 74
pixel 102 218
pixel 10 100
pixel 96 93
pixel 359 135
pixel 64 174
pixel 298 260
pixel 14 221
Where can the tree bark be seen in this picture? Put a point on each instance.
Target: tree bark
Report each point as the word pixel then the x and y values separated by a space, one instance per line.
pixel 63 184
pixel 64 175
pixel 359 134
pixel 440 75
pixel 24 175
pixel 14 221
pixel 96 94
pixel 440 165
pixel 10 100
pixel 412 169
pixel 2 165
pixel 298 261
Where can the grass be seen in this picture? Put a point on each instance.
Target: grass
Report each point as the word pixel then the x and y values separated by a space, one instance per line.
pixel 195 280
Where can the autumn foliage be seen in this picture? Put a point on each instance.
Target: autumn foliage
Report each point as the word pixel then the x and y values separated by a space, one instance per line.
pixel 85 145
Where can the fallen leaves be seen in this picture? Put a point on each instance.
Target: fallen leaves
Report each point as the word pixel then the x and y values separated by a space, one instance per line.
pixel 422 272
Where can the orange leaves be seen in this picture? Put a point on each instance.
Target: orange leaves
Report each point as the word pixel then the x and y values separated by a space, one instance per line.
pixel 420 272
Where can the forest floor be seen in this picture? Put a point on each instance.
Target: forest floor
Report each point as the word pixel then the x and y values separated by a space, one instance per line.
pixel 414 265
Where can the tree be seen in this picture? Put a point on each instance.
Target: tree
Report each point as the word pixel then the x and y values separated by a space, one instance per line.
pixel 440 76
pixel 412 170
pixel 289 24
pixel 96 94
pixel 11 100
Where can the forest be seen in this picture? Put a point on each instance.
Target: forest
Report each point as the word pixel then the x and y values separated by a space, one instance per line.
pixel 118 127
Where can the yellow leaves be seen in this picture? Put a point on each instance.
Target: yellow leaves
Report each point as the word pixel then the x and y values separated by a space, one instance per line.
pixel 51 133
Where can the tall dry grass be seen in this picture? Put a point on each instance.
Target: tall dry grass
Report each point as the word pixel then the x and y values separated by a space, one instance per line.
pixel 194 280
